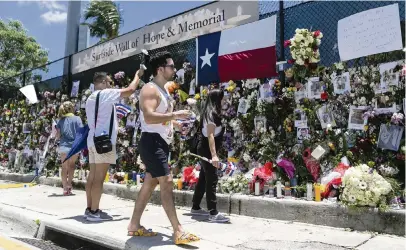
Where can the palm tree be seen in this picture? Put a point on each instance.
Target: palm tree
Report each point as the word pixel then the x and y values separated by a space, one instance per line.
pixel 105 19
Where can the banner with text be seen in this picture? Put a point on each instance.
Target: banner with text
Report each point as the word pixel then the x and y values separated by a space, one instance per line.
pixel 207 19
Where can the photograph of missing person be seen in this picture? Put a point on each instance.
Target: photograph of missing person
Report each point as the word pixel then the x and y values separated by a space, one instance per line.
pixel 243 106
pixel 260 124
pixel 27 128
pixel 265 91
pixel 390 136
pixel 300 118
pixel 342 83
pixel 300 95
pixel 325 116
pixel 315 88
pixel 303 134
pixel 388 76
pixel 75 89
pixel 356 120
pixel 383 104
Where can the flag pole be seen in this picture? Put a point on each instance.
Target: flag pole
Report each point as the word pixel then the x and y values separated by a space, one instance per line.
pixel 197 63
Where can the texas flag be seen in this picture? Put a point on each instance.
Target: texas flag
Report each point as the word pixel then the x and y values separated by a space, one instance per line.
pixel 247 51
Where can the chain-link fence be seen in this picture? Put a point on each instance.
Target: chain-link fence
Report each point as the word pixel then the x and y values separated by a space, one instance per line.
pixel 314 15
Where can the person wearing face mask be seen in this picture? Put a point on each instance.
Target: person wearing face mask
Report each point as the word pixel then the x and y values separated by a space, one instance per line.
pixel 209 144
pixel 101 141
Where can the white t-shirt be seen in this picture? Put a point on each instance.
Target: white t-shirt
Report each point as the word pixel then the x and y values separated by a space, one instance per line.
pixel 108 97
pixel 217 130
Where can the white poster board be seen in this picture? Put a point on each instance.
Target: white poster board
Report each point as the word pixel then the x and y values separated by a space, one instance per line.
pixel 369 32
pixel 29 92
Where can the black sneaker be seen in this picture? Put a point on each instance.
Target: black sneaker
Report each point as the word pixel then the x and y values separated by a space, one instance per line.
pixel 87 212
pixel 98 216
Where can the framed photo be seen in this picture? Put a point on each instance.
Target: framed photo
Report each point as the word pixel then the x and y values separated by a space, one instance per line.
pixel 356 121
pixel 300 118
pixel 383 105
pixel 260 124
pixel 325 116
pixel 390 136
pixel 315 88
pixel 303 134
pixel 342 83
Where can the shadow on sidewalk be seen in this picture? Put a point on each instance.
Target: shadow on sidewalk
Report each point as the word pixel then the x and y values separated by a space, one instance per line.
pixel 60 195
pixel 156 241
pixel 81 219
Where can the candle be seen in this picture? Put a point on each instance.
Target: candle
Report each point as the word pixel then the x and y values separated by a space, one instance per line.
pixel 288 192
pixel 60 172
pixel 257 188
pixel 180 184
pixel 134 176
pixel 79 174
pixel 107 177
pixel 317 192
pixel 309 191
pixel 126 177
pixel 138 180
pixel 271 190
pixel 278 189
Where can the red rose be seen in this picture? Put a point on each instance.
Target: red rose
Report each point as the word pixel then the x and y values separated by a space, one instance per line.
pixel 291 61
pixel 324 96
pixel 316 33
pixel 287 43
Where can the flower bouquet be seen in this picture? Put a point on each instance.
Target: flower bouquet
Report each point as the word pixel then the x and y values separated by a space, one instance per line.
pixel 363 186
pixel 235 184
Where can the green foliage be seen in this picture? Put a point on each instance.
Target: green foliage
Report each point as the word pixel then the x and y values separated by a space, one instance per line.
pixel 104 19
pixel 19 52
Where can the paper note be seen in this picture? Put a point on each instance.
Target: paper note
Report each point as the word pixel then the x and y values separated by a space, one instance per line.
pixel 369 32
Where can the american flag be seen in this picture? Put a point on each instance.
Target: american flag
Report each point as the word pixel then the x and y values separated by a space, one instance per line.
pixel 122 110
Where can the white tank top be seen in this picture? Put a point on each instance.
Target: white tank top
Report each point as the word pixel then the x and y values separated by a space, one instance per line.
pixel 165 130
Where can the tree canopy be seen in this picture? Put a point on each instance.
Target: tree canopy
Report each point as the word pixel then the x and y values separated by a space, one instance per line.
pixel 104 19
pixel 18 52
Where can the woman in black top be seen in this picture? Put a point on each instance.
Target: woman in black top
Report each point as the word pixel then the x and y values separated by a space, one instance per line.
pixel 210 143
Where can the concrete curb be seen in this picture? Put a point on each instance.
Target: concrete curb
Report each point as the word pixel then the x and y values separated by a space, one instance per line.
pixel 24 218
pixel 318 213
pixel 24 178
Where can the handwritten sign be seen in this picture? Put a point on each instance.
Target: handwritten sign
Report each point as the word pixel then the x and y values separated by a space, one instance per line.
pixel 369 32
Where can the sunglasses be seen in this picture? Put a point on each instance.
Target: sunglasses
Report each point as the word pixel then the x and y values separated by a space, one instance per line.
pixel 170 66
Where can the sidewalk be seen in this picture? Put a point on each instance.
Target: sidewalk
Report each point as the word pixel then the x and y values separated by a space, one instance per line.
pixel 45 206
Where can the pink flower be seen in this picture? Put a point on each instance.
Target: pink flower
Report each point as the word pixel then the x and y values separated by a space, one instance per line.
pixel 316 33
pixel 287 43
pixel 119 75
pixel 291 61
pixel 397 118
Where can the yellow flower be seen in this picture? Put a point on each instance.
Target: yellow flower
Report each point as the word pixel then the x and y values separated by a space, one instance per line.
pixel 205 91
pixel 366 127
pixel 197 97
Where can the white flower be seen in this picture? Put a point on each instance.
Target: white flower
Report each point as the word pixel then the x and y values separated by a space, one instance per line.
pixel 352 198
pixel 352 95
pixel 372 85
pixel 191 101
pixel 318 42
pixel 362 185
pixel 387 98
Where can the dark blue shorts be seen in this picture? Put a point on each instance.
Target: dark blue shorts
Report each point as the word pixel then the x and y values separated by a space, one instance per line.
pixel 154 152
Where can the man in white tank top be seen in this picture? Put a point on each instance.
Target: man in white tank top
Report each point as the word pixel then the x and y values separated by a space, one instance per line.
pixel 157 117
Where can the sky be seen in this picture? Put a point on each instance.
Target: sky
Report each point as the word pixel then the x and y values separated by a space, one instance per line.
pixel 46 20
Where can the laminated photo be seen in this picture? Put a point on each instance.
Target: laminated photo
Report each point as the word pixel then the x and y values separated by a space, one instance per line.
pixel 356 120
pixel 300 118
pixel 326 117
pixel 388 76
pixel 303 134
pixel 315 88
pixel 342 83
pixel 390 136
